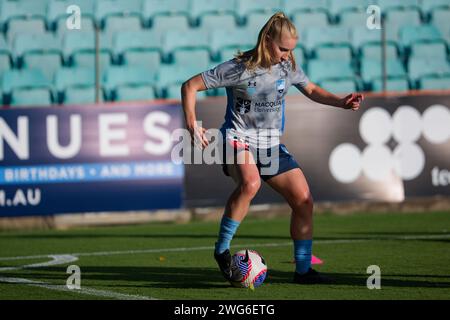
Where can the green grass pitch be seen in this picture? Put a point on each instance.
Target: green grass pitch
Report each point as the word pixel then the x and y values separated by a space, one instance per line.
pixel 175 261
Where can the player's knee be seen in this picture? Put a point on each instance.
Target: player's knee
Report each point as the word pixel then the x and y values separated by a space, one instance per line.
pixel 302 200
pixel 250 187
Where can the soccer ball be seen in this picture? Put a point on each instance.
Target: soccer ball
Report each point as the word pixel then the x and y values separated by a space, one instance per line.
pixel 252 266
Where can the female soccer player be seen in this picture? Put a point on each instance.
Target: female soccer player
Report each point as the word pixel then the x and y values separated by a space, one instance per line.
pixel 256 83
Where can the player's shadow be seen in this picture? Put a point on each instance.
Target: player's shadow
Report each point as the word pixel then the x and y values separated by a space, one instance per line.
pixel 142 277
pixel 355 279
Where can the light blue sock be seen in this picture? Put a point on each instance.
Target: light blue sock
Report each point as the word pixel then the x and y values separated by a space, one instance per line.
pixel 302 254
pixel 228 228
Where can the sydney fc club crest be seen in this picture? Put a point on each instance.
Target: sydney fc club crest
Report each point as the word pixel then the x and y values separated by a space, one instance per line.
pixel 251 88
pixel 242 105
pixel 281 86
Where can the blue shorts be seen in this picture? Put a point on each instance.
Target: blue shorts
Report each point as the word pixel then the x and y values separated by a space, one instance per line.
pixel 270 162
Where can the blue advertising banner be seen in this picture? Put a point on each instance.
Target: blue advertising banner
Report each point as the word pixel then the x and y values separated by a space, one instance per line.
pixel 89 158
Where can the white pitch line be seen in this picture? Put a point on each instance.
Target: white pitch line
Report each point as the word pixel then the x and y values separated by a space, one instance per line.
pixel 187 249
pixel 88 291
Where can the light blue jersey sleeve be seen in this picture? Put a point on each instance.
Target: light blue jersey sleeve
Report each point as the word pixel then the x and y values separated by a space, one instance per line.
pixel 226 74
pixel 299 78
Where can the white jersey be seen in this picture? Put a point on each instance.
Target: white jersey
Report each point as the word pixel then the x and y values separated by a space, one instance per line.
pixel 256 104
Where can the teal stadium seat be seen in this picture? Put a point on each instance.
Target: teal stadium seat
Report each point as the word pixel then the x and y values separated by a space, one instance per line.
pixel 147 59
pixel 108 8
pixel 22 10
pixel 374 51
pixel 135 93
pixel 212 21
pixel 292 7
pixel 73 77
pixel 81 95
pixel 337 7
pixel 424 33
pixel 32 97
pixel 362 37
pixel 372 69
pixel 5 62
pixel 30 26
pixel 306 19
pixel 173 74
pixel 75 42
pixel 154 8
pixel 436 50
pixel 391 85
pixel 87 60
pixel 114 24
pixel 174 92
pixel 28 78
pixel 244 8
pixel 343 54
pixel 87 25
pixel 25 43
pixel 431 83
pixel 354 19
pixel 440 18
pixel 339 87
pixel 229 53
pixel 300 55
pixel 200 8
pixel 396 19
pixel 57 14
pixel 117 76
pixel 320 70
pixel 422 67
pixel 145 40
pixel 428 6
pixel 161 24
pixel 390 5
pixel 328 36
pixel 198 58
pixel 183 40
pixel 226 39
pixel 48 63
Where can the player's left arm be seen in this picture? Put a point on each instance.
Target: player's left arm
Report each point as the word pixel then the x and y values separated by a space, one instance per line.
pixel 320 95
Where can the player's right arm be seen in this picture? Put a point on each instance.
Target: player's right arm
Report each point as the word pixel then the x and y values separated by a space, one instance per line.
pixel 189 91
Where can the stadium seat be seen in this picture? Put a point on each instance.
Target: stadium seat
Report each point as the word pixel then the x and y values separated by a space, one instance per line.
pixel 244 8
pixel 154 8
pixel 291 7
pixel 423 33
pixel 117 76
pixel 329 36
pixel 107 8
pixel 361 37
pixel 339 87
pixel 48 63
pixel 74 77
pixel 182 40
pixel 161 24
pixel 25 43
pixel 257 20
pixel 87 60
pixel 28 78
pixel 222 39
pixel 374 51
pixel 136 41
pixel 372 69
pixel 30 26
pixel 21 10
pixel 210 22
pixel 390 5
pixel 87 25
pixel 431 83
pixel 229 53
pixel 74 42
pixel 343 54
pixel 135 93
pixel 306 19
pixel 198 58
pixel 174 92
pixel 114 24
pixel 57 13
pixel 2 102
pixel 173 74
pixel 421 67
pixel 397 19
pixel 436 50
pixel 300 55
pixel 428 6
pixel 353 18
pixel 147 59
pixel 393 84
pixel 440 18
pixel 320 70
pixel 31 97
pixel 337 7
pixel 199 8
pixel 81 95
pixel 5 62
